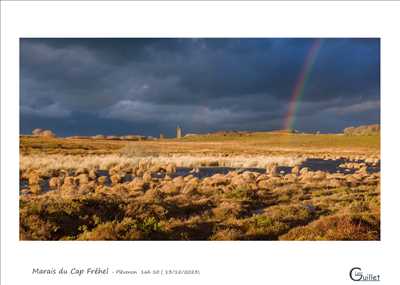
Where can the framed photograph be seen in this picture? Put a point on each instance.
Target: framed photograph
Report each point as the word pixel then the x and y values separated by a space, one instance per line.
pixel 198 142
pixel 200 139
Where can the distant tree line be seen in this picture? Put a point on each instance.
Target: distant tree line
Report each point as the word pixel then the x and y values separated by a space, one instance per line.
pixel 363 130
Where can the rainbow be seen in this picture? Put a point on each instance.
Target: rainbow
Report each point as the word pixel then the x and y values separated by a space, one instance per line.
pixel 298 90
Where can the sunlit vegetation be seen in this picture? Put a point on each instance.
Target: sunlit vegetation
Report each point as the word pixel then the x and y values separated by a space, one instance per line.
pixel 98 189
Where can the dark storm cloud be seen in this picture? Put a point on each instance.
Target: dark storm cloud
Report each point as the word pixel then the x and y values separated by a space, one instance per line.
pixel 148 86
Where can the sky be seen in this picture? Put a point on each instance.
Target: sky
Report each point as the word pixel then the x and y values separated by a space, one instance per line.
pixel 148 86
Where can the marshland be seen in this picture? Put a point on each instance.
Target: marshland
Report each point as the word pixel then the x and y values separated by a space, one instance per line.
pixel 220 186
pixel 199 138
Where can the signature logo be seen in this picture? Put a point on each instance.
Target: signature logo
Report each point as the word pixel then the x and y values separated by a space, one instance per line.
pixel 356 274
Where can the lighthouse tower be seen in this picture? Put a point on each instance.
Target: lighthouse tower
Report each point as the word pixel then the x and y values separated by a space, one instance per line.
pixel 178 132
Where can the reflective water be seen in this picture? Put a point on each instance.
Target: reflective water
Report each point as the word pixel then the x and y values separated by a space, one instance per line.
pixel 330 166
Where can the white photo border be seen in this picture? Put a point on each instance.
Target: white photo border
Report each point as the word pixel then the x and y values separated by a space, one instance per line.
pixel 228 262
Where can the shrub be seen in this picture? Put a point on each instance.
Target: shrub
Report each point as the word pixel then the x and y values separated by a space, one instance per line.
pixel 362 130
pixel 37 132
pixel 43 133
pixel 48 133
pixel 338 227
pixel 124 230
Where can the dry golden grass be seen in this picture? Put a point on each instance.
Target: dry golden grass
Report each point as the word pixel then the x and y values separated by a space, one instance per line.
pixel 46 145
pixel 248 206
pixel 255 144
pixel 48 163
pixel 221 207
